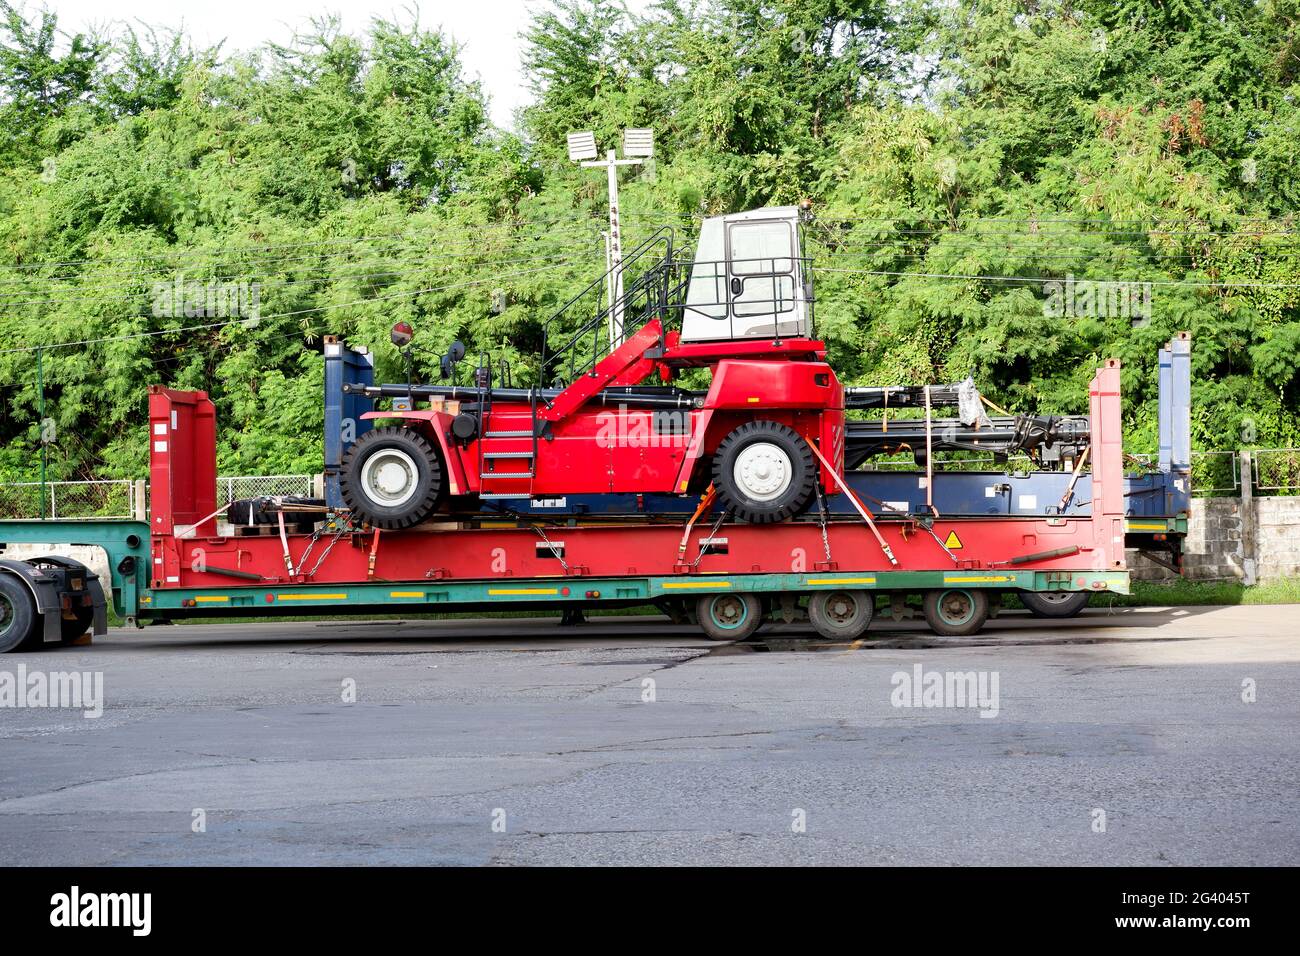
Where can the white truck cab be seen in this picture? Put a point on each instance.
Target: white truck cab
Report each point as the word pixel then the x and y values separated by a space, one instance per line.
pixel 749 278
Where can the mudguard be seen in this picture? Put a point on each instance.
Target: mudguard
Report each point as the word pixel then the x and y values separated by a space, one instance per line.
pixel 437 424
pixel 45 592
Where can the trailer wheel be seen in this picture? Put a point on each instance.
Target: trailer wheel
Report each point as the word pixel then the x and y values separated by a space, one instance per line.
pixel 391 478
pixel 957 612
pixel 1054 603
pixel 729 617
pixel 841 615
pixel 18 617
pixel 764 472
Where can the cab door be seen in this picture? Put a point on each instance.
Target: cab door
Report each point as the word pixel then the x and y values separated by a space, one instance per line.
pixel 763 279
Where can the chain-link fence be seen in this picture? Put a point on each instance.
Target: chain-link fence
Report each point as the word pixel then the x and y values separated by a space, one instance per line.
pixel 23 500
pixel 1277 469
pixel 259 486
pixel 1215 473
pixel 70 500
pixel 66 499
pixel 1270 471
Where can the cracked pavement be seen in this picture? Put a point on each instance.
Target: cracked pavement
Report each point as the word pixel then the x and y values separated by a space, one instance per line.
pixel 516 741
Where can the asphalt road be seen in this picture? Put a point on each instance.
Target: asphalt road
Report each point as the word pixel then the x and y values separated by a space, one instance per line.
pixel 519 742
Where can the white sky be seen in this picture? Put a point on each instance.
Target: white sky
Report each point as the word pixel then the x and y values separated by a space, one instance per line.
pixel 487 30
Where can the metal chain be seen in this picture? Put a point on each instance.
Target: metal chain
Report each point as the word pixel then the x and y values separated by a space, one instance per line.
pixel 821 512
pixel 315 536
pixel 324 554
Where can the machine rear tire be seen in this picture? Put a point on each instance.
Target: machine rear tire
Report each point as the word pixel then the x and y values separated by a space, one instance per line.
pixel 729 617
pixel 956 612
pixel 764 472
pixel 18 617
pixel 841 615
pixel 1054 603
pixel 391 478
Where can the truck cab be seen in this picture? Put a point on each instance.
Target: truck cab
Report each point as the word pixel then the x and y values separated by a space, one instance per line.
pixel 749 279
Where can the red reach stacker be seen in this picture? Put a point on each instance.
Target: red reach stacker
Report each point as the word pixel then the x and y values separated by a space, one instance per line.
pixel 605 483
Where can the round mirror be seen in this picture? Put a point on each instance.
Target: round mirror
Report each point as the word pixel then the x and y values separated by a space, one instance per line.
pixel 402 334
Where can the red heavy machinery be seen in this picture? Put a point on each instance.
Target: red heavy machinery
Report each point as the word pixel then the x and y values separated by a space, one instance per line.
pixel 772 399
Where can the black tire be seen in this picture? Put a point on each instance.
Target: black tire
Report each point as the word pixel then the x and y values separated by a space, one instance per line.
pixel 956 612
pixel 729 617
pixel 72 628
pixel 19 622
pixel 1054 603
pixel 413 494
pixel 841 615
pixel 786 450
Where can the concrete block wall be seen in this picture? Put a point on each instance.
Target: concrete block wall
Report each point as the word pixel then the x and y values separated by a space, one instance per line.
pixel 1235 539
pixel 1278 534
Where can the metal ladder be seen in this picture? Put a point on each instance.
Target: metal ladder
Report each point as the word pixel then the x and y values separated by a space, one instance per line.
pixel 488 459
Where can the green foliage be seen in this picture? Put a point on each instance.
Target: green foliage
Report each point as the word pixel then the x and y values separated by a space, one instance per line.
pixel 959 155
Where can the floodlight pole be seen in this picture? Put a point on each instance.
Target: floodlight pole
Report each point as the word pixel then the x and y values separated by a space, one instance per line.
pixel 611 162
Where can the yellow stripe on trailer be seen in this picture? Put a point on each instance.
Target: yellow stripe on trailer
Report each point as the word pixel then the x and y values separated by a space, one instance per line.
pixel 406 594
pixel 1145 526
pixel 978 579
pixel 210 598
pixel 311 597
pixel 494 591
pixel 840 581
pixel 682 585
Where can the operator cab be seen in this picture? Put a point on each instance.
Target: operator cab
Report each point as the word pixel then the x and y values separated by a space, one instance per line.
pixel 749 279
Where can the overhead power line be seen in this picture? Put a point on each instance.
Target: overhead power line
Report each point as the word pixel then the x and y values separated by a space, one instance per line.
pixel 1045 279
pixel 279 315
pixel 551 228
pixel 328 277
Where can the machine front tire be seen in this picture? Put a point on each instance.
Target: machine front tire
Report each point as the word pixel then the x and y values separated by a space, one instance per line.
pixel 391 478
pixel 764 472
pixel 1056 604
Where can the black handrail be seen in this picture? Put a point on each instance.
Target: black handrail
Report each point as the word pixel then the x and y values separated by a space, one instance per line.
pixel 651 285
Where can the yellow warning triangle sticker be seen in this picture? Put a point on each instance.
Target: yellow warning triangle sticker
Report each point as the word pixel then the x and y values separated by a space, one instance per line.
pixel 952 542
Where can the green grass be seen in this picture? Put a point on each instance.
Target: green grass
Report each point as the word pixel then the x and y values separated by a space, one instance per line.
pixel 1181 592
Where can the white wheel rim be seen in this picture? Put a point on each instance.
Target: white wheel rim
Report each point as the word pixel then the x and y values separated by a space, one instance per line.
pixel 763 471
pixel 1056 597
pixel 390 477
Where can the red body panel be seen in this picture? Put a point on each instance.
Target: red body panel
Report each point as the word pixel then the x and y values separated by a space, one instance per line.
pixel 488 554
pixel 182 475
